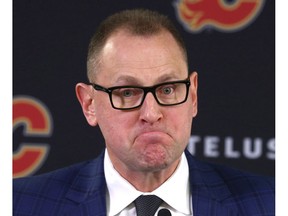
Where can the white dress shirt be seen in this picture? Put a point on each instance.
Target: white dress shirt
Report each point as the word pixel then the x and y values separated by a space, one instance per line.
pixel 175 192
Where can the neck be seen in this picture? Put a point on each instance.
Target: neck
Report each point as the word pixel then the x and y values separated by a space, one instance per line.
pixel 148 181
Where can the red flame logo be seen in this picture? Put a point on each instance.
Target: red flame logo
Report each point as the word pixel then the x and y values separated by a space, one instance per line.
pixel 196 15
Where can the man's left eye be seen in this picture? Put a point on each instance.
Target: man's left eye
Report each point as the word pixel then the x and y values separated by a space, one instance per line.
pixel 167 90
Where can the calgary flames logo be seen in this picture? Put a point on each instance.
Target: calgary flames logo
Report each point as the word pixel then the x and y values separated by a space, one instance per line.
pixel 196 15
pixel 37 122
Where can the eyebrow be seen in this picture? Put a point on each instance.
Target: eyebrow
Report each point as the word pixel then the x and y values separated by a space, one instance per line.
pixel 127 79
pixel 131 80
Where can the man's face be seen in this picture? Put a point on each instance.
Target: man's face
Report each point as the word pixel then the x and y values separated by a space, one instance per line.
pixel 152 137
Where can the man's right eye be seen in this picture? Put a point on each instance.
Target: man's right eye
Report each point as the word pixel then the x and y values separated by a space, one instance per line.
pixel 127 93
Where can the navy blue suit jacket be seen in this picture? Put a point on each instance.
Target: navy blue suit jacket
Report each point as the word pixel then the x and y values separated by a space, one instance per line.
pixel 80 190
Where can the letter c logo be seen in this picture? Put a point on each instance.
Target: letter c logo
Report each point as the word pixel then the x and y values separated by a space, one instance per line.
pixel 37 122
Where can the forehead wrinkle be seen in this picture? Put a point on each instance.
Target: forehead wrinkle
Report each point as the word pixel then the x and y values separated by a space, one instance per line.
pixel 136 81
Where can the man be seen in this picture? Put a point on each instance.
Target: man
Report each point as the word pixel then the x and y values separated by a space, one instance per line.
pixel 144 99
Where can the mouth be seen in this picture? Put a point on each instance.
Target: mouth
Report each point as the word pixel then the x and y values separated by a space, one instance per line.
pixel 152 137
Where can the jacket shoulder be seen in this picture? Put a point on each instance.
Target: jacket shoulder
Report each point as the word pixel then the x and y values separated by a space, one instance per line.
pixel 238 181
pixel 251 193
pixel 45 194
pixel 35 184
pixel 239 191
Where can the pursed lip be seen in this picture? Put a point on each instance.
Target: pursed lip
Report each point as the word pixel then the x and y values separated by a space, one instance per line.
pixel 151 130
pixel 151 135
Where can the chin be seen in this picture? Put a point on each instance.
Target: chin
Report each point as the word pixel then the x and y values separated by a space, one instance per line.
pixel 156 161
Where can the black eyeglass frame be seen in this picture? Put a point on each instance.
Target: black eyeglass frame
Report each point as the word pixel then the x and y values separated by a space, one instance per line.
pixel 145 89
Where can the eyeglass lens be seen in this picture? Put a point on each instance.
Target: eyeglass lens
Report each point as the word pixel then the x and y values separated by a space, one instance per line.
pixel 166 94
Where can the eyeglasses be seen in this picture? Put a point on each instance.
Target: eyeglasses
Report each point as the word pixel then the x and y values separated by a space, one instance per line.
pixel 131 97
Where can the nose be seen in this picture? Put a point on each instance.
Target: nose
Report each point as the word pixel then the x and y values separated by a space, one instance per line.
pixel 150 110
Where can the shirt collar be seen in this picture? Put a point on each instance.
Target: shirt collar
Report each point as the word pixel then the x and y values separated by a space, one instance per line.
pixel 177 186
pixel 176 190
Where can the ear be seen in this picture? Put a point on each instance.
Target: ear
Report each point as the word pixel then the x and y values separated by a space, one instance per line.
pixel 84 94
pixel 193 91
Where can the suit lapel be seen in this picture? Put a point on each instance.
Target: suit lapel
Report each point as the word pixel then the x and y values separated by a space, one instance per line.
pixel 208 189
pixel 88 190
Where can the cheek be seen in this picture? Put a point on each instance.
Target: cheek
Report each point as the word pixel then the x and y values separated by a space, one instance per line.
pixel 115 126
pixel 182 122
